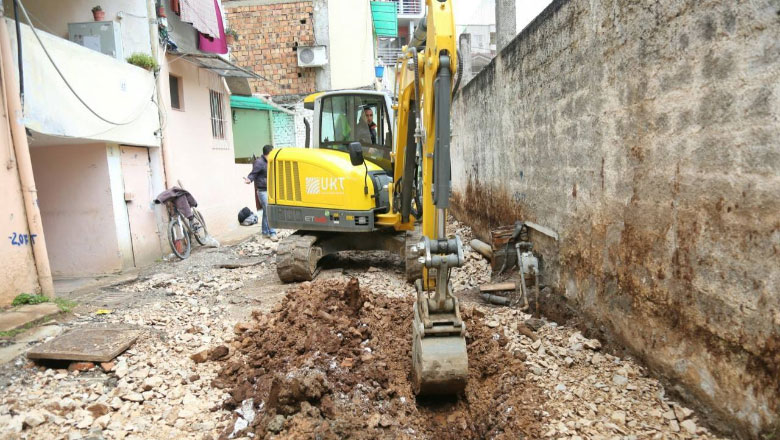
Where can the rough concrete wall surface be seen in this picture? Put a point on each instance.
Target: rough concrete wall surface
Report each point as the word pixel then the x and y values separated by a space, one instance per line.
pixel 17 271
pixel 284 129
pixel 300 126
pixel 646 134
pixel 269 34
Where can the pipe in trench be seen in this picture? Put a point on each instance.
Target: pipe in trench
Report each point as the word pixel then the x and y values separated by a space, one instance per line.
pixel 483 248
pixel 24 166
pixel 496 299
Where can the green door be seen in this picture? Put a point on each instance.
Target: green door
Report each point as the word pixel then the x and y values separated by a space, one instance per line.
pixel 251 130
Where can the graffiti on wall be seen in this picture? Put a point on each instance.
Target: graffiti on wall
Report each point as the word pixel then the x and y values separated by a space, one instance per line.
pixel 22 239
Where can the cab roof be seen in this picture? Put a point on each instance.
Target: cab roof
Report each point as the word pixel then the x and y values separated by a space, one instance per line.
pixel 308 102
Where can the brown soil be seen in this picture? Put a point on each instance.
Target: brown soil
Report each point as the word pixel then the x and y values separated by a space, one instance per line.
pixel 334 361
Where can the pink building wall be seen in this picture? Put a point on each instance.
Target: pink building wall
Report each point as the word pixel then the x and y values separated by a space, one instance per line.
pixel 204 165
pixel 75 199
pixel 17 267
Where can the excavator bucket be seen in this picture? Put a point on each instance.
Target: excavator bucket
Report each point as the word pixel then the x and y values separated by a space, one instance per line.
pixel 439 359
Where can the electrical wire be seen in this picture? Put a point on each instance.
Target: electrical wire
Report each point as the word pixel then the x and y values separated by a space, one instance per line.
pixel 45 51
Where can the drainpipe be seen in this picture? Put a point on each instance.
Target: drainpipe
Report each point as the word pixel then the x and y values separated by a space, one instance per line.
pixel 154 38
pixel 24 164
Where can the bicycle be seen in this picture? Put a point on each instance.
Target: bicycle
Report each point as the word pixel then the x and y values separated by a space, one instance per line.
pixel 180 231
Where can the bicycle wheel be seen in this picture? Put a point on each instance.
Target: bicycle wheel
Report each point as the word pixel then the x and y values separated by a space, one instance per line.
pixel 201 233
pixel 179 238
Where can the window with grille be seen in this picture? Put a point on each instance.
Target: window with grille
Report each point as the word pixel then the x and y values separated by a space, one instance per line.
pixel 217 115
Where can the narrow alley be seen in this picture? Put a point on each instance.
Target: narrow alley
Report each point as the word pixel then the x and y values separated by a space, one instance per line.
pixel 390 219
pixel 543 380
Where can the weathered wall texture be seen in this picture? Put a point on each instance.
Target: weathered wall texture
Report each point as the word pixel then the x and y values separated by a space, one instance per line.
pixel 205 165
pixel 75 197
pixel 646 133
pixel 268 37
pixel 17 270
pixel 284 129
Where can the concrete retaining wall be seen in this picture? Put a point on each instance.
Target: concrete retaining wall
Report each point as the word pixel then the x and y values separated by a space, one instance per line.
pixel 646 133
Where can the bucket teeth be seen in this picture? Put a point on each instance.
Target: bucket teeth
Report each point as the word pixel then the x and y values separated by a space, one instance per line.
pixel 439 362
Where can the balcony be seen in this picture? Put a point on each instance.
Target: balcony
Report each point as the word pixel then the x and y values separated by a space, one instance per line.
pixel 113 89
pixel 410 9
pixel 389 55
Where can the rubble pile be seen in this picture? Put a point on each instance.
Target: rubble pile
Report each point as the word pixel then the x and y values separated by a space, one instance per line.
pixel 319 361
pixel 333 361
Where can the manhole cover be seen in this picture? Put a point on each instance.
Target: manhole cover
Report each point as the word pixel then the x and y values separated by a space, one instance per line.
pixel 89 344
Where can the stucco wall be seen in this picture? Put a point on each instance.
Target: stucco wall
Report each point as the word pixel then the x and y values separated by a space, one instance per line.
pixel 54 16
pixel 74 195
pixel 204 165
pixel 351 51
pixel 117 91
pixel 646 134
pixel 17 270
pixel 300 126
pixel 284 129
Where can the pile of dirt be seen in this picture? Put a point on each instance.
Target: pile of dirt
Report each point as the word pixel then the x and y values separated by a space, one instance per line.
pixel 333 361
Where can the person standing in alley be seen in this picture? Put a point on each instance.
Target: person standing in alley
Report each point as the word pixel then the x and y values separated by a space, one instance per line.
pixel 259 176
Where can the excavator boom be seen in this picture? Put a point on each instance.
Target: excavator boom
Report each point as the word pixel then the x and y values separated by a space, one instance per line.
pixel 425 86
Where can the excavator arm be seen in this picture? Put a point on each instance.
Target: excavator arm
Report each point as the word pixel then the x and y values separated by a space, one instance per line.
pixel 422 173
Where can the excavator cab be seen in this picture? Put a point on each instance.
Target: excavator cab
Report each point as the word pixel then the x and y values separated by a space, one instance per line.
pixel 351 116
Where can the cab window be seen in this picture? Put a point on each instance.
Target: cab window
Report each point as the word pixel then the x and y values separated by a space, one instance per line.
pixel 357 118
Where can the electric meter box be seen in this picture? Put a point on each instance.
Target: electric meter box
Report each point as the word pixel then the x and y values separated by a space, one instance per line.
pixel 102 36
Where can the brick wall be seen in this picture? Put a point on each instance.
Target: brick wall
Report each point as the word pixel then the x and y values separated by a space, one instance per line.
pixel 284 129
pixel 646 133
pixel 268 36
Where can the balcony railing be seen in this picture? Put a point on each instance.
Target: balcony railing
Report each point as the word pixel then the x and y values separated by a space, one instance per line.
pixel 409 7
pixel 389 55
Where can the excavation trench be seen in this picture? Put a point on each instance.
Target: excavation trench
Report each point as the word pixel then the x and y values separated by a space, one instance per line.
pixel 332 361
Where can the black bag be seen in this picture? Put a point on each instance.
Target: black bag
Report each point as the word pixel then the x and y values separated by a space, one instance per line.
pixel 243 214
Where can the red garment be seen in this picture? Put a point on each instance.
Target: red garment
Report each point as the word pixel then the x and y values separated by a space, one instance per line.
pixel 214 45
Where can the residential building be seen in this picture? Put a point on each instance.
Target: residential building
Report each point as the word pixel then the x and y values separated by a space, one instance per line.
pixel 105 137
pixel 299 47
pixel 337 36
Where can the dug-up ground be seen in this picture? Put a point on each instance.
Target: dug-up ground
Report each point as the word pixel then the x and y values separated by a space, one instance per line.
pixel 228 352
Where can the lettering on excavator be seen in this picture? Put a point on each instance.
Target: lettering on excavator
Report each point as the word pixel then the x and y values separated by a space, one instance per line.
pixel 324 185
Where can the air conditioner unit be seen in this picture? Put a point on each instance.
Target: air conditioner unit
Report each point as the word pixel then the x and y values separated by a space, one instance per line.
pixel 312 56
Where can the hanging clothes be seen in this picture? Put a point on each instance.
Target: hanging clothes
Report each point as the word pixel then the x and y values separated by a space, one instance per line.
pixel 203 16
pixel 206 43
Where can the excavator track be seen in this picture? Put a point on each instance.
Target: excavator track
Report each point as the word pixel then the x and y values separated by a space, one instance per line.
pixel 296 258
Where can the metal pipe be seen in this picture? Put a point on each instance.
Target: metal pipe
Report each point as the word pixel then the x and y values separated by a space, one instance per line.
pixel 495 299
pixel 155 43
pixel 522 277
pixel 24 166
pixel 483 248
pixel 420 33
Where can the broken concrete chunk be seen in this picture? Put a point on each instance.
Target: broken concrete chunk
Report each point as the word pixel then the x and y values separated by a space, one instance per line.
pixel 200 357
pixel 81 366
pixel 98 409
pixel 689 426
pixel 276 424
pixel 218 353
pixel 133 397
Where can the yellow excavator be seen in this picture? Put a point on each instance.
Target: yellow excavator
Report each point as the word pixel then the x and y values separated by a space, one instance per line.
pixel 377 177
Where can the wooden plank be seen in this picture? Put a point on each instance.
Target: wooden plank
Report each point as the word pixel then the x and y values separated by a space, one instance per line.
pixel 497 287
pixel 88 344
